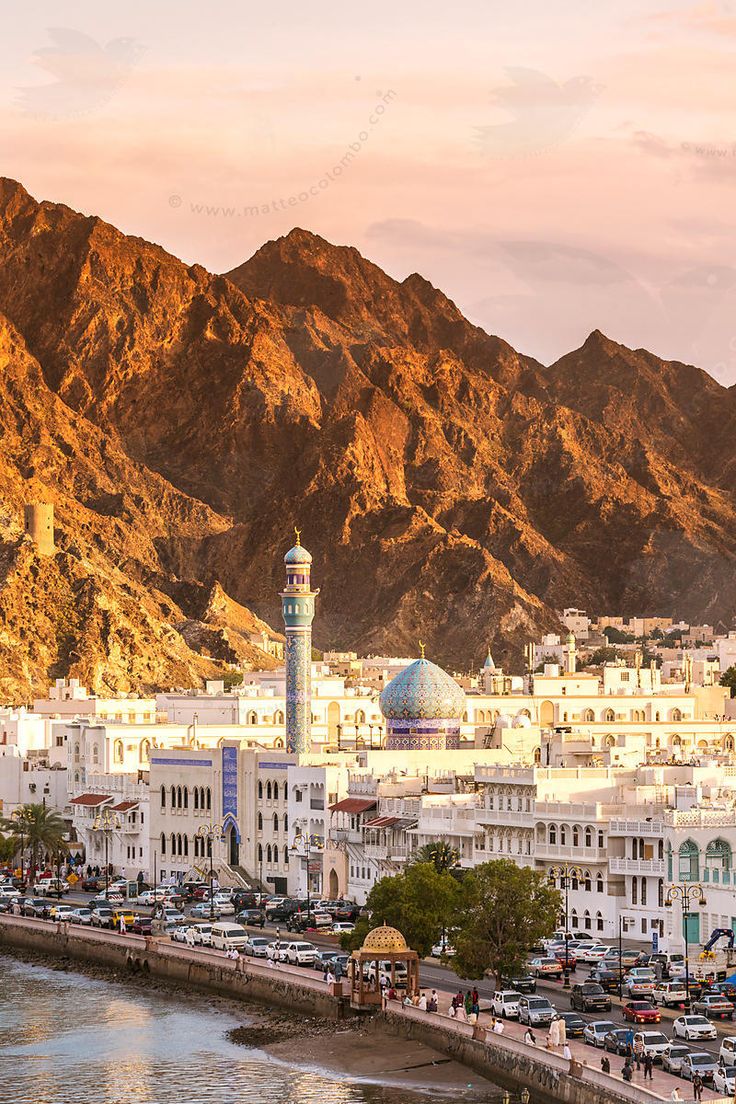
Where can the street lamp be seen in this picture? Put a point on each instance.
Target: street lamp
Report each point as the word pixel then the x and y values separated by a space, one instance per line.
pixel 565 874
pixel 106 822
pixel 18 816
pixel 686 893
pixel 210 832
pixel 299 838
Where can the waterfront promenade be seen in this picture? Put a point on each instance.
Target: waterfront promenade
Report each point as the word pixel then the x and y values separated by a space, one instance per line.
pixel 503 1058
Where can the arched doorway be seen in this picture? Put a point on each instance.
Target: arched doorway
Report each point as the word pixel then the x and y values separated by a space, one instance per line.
pixel 333 720
pixel 334 887
pixel 546 714
pixel 233 847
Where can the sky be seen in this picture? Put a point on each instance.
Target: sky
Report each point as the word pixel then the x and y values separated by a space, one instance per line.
pixel 554 166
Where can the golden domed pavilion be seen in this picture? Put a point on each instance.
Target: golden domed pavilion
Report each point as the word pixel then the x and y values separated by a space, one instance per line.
pixel 382 949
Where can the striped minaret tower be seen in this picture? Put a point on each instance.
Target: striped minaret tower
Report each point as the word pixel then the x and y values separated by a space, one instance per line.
pixel 297 606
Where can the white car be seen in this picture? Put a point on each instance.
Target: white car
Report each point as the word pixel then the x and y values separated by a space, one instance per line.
pixel 727 1053
pixel 693 1027
pixel 276 950
pixel 202 935
pixel 224 904
pixel 61 912
pixel 441 949
pixel 724 1080
pixel 179 934
pixel 591 955
pixel 81 916
pixel 342 926
pixel 505 1003
pixel 669 994
pixel 172 916
pixel 8 892
pixel 300 954
pixel 654 1043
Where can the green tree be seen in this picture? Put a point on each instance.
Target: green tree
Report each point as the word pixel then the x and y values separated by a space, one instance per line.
pixel 615 636
pixel 440 854
pixel 422 903
pixel 506 909
pixel 9 847
pixel 41 829
pixel 728 678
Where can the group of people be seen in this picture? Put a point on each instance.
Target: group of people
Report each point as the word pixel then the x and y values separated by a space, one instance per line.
pixel 419 1000
pixel 467 1007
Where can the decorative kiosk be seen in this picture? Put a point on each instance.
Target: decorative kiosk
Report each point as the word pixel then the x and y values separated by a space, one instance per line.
pixel 382 949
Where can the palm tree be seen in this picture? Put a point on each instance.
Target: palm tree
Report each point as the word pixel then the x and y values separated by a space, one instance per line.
pixel 42 829
pixel 9 847
pixel 443 857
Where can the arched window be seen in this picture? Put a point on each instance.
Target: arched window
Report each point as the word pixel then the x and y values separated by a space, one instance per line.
pixel 163 844
pixel 689 865
pixel 286 856
pixel 575 836
pixel 178 797
pixel 660 892
pixel 609 716
pixel 587 922
pixel 173 797
pixel 635 891
pixel 278 717
pixel 163 797
pixel 76 753
pixel 173 844
pixel 144 751
pixel 252 717
pixel 95 754
pixel 660 849
pixel 717 861
pixel 186 845
pixel 260 852
pixel 119 751
pixel 286 822
pixel 201 797
pixel 600 838
pixel 635 849
pixel 609 741
pixel 260 822
pixel 360 716
pixel 588 715
pixel 599 883
pixel 268 853
pixel 728 743
pixel 275 822
pixel 286 792
pixel 599 921
pixel 587 881
pixel 643 891
pixel 574 919
pixel 260 790
pixel 676 714
pixel 574 882
pixel 588 837
pixel 208 795
pixel 552 834
pixel 186 797
pixel 563 835
pixel 268 791
pixel 196 797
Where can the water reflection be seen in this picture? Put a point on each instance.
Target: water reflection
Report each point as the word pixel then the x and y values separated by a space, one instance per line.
pixel 69 1039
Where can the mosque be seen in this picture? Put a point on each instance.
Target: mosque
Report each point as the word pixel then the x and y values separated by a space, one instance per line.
pixel 423 705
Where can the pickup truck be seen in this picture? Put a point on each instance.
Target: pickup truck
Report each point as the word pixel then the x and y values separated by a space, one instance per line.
pixel 50 887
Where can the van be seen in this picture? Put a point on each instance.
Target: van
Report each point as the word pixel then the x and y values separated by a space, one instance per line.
pixel 226 936
pixel 727 1053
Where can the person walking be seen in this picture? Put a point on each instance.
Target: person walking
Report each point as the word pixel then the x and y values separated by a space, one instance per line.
pixel 697 1087
pixel 433 1002
pixel 638 1052
pixel 189 935
pixel 566 1052
pixel 648 1067
pixel 122 924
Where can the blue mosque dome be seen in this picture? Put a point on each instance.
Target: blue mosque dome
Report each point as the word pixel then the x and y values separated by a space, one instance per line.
pixel 422 692
pixel 298 554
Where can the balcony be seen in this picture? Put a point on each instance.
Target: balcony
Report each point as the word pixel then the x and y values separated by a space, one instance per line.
pixel 513 817
pixel 579 855
pixel 700 818
pixel 654 867
pixel 635 828
pixel 346 835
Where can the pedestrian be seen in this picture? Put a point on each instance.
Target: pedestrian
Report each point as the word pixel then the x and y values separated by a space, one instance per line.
pixel 476 999
pixel 638 1052
pixel 498 1027
pixel 330 977
pixel 605 1064
pixel 566 1052
pixel 697 1087
pixel 675 1096
pixel 468 1003
pixel 628 1071
pixel 433 1003
pixel 189 936
pixel 461 1014
pixel 422 1006
pixel 529 1037
pixel 122 924
pixel 648 1066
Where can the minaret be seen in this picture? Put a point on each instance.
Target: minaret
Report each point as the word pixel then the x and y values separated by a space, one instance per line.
pixel 570 654
pixel 297 607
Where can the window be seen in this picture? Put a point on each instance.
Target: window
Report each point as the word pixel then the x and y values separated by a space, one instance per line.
pixel 552 834
pixel 163 797
pixel 660 892
pixel 208 795
pixel 588 837
pixel 575 836
pixel 286 822
pixel 260 852
pixel 599 883
pixel 634 891
pixel 660 849
pixel 186 797
pixel 624 676
pixel 588 715
pixel 587 922
pixel 76 753
pixel 268 852
pixel 286 855
pixel 119 751
pixel 609 716
pixel 268 791
pixel 59 741
pixel 260 790
pixel 600 839
pixel 563 834
pixel 643 891
pixel 717 861
pixel 178 797
pixel 173 797
pixel 145 751
pixel 186 845
pixel 599 921
pixel 298 795
pixel 196 797
pixel 587 881
pixel 275 822
pixel 286 793
pixel 689 864
pixel 260 822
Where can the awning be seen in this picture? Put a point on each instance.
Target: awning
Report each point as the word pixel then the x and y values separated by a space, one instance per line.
pixel 381 822
pixel 354 805
pixel 90 799
pixel 125 806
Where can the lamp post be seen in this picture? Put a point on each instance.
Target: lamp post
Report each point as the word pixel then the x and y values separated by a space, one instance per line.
pixel 299 838
pixel 19 822
pixel 685 893
pixel 210 832
pixel 106 822
pixel 565 874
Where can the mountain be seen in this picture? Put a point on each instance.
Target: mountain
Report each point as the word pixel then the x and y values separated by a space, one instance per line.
pixel 449 487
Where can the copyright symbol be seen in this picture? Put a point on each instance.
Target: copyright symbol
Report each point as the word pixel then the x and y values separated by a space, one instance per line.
pixel 174 201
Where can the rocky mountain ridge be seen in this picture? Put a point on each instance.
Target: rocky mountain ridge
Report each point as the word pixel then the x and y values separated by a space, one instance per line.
pixel 448 486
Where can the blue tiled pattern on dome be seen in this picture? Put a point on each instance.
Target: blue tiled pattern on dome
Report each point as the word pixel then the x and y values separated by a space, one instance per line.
pixel 297 555
pixel 422 691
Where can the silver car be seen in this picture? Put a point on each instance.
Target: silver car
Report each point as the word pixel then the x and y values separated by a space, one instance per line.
pixel 699 1062
pixel 672 1057
pixel 596 1031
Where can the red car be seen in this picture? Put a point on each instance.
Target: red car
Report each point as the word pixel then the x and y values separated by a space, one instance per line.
pixel 641 1012
pixel 571 959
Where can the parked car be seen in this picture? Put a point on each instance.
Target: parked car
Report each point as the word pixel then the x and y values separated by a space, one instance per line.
pixel 726 989
pixel 641 1012
pixel 306 921
pixel 693 1027
pixel 224 904
pixel 654 1043
pixel 179 933
pixel 257 946
pixel 276 950
pixel 724 1080
pixel 639 981
pixel 101 917
pixel 535 1011
pixel 574 1024
pixel 300 954
pixel 142 925
pixel 592 955
pixel 715 1006
pixel 568 962
pixel 81 915
pixel 607 979
pixel 505 1003
pixel 672 1057
pixel 698 1062
pixel 522 983
pixel 546 967
pixel 596 1030
pixel 125 915
pixel 204 911
pixel 91 885
pixel 36 906
pixel 727 1053
pixel 61 912
pixel 339 927
pixel 616 1041
pixel 281 911
pixel 203 935
pixel 670 994
pixel 589 996
pixel 400 973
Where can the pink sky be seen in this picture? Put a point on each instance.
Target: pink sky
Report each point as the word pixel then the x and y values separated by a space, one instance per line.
pixel 552 167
